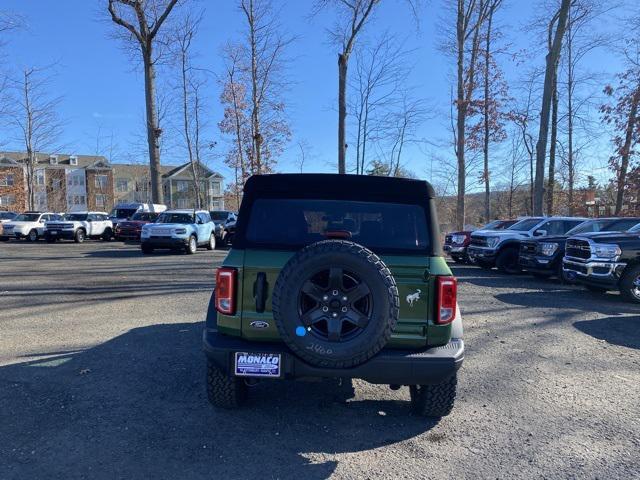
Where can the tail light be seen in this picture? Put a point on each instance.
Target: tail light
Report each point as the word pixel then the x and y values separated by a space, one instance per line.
pixel 446 299
pixel 226 290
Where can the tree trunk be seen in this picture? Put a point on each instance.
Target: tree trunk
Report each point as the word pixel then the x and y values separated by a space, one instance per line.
pixel 342 112
pixel 460 120
pixel 553 146
pixel 570 166
pixel 255 111
pixel 626 149
pixel 153 128
pixel 541 145
pixel 187 133
pixel 485 150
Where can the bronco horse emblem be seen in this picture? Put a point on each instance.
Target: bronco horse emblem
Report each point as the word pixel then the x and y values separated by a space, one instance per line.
pixel 413 297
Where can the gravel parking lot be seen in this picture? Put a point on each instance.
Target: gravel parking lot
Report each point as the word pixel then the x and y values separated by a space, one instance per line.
pixel 102 376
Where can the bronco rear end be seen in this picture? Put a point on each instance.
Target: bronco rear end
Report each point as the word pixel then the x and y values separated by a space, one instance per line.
pixel 350 282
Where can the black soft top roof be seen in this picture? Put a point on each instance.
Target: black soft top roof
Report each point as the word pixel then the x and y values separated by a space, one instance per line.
pixel 328 185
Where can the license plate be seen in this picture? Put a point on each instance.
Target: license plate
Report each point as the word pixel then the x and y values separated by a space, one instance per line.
pixel 53 232
pixel 252 364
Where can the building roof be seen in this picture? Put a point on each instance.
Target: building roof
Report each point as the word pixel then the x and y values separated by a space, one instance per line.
pixel 64 159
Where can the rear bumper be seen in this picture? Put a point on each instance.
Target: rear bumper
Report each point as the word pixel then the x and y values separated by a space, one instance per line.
pixel 401 367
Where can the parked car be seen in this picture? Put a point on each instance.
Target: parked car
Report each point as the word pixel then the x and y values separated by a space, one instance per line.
pixel 501 248
pixel 222 218
pixel 542 257
pixel 131 229
pixel 179 230
pixel 79 226
pixel 314 294
pixel 606 262
pixel 125 211
pixel 28 225
pixel 4 218
pixel 229 231
pixel 456 243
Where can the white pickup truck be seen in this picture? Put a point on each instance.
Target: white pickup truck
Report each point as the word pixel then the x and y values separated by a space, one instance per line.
pixel 79 226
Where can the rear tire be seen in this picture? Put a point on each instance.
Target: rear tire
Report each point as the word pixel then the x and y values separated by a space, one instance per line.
pixel 32 236
pixel 211 245
pixel 434 401
pixel 630 284
pixel 107 235
pixel 224 391
pixel 507 261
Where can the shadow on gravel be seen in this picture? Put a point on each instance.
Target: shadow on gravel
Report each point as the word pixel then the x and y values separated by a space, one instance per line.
pixel 623 331
pixel 494 279
pixel 576 299
pixel 136 407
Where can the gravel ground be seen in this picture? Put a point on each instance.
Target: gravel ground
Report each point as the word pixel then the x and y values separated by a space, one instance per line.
pixel 102 376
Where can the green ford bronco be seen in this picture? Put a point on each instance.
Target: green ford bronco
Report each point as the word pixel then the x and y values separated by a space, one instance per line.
pixel 335 276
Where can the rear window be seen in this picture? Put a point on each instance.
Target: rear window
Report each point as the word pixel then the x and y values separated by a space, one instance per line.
pixel 296 222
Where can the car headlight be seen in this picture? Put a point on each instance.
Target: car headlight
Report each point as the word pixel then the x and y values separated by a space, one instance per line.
pixel 548 248
pixel 492 242
pixel 180 231
pixel 458 239
pixel 606 250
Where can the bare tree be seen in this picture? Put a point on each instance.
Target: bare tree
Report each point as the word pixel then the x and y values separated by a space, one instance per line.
pixel 191 102
pixel 142 20
pixel 35 117
pixel 470 16
pixel 264 70
pixel 559 21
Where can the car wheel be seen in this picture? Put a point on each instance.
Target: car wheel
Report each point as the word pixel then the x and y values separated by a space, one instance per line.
pixel 32 236
pixel 79 236
pixel 212 242
pixel 192 245
pixel 107 235
pixel 507 261
pixel 335 304
pixel 434 400
pixel 630 284
pixel 223 239
pixel 224 391
pixel 146 250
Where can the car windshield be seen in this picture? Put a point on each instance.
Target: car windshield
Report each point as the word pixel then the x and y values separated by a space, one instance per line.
pixel 76 217
pixel 27 217
pixel 145 217
pixel 123 212
pixel 7 216
pixel 492 225
pixel 169 217
pixel 635 229
pixel 525 225
pixel 218 216
pixel 383 226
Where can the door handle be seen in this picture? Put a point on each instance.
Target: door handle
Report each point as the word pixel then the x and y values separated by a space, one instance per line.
pixel 260 291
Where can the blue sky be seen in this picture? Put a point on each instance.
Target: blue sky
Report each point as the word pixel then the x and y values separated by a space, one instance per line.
pixel 102 90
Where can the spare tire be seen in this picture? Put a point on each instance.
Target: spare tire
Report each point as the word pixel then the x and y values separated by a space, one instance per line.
pixel 335 304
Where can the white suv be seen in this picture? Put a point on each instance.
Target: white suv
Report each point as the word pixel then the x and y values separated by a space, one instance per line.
pixel 29 225
pixel 79 226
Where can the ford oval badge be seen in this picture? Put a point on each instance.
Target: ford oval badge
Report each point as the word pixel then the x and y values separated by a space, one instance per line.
pixel 259 324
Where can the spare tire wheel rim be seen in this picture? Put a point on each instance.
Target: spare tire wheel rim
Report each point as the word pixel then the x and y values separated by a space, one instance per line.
pixel 335 304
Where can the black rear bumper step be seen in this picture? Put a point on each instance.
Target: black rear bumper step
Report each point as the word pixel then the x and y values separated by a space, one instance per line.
pixel 402 367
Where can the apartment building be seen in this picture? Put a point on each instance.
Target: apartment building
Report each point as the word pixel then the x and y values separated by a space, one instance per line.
pixel 133 184
pixel 61 182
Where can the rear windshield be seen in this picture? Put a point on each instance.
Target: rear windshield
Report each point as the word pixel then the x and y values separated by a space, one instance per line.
pixel 380 226
pixel 219 216
pixel 76 217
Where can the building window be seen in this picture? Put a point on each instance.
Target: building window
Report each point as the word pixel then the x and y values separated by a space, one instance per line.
pixel 76 180
pixel 7 180
pixel 7 200
pixel 101 181
pixel 77 199
pixel 122 185
pixel 56 184
pixel 73 160
pixel 182 203
pixel 101 201
pixel 182 185
pixel 40 177
pixel 215 189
